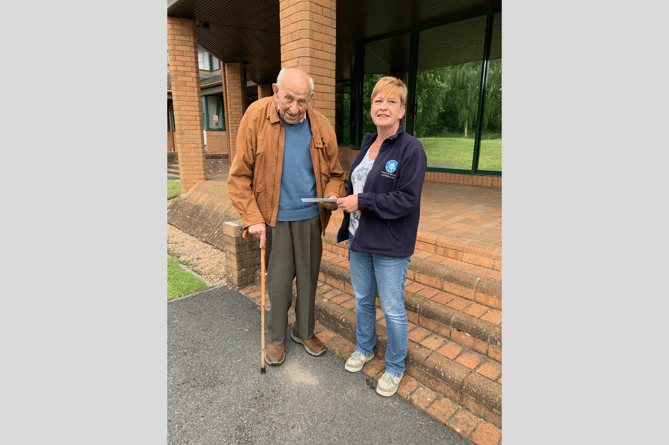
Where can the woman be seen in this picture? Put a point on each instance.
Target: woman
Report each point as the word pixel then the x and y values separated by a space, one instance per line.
pixel 381 213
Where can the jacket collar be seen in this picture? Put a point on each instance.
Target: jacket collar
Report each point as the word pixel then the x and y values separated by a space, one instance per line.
pixel 271 111
pixel 397 134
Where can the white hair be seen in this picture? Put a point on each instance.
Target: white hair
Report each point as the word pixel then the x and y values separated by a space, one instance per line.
pixel 283 71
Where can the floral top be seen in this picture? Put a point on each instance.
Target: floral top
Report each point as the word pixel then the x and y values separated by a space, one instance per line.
pixel 358 179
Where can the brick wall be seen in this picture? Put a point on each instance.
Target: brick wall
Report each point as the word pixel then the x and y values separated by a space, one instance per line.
pixel 242 256
pixel 189 139
pixel 308 42
pixel 456 178
pixel 217 142
pixel 235 94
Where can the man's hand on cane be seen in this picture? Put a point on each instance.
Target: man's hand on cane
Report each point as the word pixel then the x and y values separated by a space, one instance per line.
pixel 259 230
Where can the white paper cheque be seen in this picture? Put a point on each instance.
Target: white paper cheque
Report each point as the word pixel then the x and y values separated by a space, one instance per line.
pixel 319 199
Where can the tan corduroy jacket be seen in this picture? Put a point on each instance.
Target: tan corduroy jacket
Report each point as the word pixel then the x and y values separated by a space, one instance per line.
pixel 254 179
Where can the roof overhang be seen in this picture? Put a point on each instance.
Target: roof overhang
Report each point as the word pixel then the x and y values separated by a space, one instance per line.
pixel 249 32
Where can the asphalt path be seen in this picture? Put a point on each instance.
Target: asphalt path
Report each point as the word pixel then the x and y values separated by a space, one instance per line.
pixel 216 393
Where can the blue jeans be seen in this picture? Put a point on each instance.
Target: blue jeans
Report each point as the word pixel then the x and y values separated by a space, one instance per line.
pixel 388 274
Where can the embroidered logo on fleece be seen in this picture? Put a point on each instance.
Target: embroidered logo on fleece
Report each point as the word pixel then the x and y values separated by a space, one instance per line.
pixel 391 166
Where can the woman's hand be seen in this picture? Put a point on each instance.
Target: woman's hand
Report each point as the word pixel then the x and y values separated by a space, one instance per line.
pixel 348 203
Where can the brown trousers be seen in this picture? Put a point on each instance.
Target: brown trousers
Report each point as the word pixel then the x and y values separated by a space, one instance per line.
pixel 293 252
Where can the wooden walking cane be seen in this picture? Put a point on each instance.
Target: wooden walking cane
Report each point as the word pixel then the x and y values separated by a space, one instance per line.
pixel 262 308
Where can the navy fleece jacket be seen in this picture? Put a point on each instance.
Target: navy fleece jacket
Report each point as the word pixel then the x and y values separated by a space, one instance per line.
pixel 390 201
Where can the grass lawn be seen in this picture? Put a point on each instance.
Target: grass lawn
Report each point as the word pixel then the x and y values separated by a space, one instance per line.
pixel 460 151
pixel 181 282
pixel 173 188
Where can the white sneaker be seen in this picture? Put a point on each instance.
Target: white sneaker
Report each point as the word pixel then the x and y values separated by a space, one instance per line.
pixel 388 384
pixel 356 361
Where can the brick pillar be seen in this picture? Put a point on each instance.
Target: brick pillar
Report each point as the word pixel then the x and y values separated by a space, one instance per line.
pixel 184 75
pixel 265 91
pixel 235 93
pixel 308 42
pixel 242 256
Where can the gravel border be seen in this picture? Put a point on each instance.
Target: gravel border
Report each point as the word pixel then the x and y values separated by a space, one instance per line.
pixel 208 261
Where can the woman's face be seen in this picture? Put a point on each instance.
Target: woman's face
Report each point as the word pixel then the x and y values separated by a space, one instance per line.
pixel 386 110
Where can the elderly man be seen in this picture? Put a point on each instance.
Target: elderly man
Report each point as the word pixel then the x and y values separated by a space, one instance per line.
pixel 287 151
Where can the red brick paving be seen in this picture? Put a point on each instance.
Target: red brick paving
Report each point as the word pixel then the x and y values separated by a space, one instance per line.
pixel 450 350
pixel 486 434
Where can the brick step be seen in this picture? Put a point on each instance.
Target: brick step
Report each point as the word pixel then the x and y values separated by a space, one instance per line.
pixel 464 376
pixel 173 170
pixel 215 166
pixel 481 334
pixel 476 258
pixel 461 285
pixel 454 326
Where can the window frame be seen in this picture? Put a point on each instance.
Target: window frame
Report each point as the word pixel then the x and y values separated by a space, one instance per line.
pixel 205 113
pixel 356 121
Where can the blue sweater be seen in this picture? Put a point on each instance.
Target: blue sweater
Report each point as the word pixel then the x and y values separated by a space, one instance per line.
pixel 390 201
pixel 298 180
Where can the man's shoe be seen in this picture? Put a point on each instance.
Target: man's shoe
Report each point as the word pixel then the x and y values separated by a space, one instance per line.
pixel 313 346
pixel 356 361
pixel 388 384
pixel 274 355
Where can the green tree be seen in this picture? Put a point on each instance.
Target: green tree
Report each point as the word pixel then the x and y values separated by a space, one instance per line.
pixel 492 113
pixel 465 85
pixel 447 100
pixel 431 88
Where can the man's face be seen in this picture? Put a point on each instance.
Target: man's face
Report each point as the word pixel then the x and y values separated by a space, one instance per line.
pixel 292 99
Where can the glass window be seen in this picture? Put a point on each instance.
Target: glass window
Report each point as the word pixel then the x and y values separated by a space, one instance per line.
pixel 387 57
pixel 490 154
pixel 170 115
pixel 343 113
pixel 448 82
pixel 368 83
pixel 213 113
pixel 449 74
pixel 216 64
pixel 203 60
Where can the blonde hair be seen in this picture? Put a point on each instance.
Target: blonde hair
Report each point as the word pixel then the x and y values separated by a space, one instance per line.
pixel 391 85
